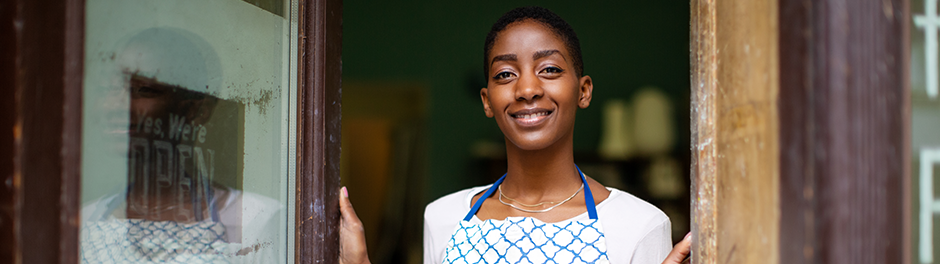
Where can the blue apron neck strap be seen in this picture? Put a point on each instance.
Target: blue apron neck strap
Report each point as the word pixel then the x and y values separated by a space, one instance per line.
pixel 476 206
pixel 588 197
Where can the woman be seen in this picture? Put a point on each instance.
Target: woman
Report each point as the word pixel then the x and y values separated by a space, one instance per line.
pixel 543 209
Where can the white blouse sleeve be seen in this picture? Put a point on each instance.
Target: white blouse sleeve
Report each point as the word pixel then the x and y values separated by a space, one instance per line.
pixel 429 250
pixel 655 246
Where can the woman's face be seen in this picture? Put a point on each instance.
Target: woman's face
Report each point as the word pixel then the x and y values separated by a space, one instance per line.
pixel 533 89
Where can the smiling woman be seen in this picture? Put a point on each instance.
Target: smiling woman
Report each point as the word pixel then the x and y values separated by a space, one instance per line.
pixel 546 208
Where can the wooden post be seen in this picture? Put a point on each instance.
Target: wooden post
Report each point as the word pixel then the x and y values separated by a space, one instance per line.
pixel 45 95
pixel 845 129
pixel 8 243
pixel 318 153
pixel 801 119
pixel 734 131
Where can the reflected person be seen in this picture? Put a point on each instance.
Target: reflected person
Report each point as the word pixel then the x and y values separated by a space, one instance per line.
pixel 174 208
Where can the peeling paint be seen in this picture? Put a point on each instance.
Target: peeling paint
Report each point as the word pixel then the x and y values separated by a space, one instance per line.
pixel 702 146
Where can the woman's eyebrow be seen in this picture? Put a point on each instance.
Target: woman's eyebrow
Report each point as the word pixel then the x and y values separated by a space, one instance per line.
pixel 545 53
pixel 504 57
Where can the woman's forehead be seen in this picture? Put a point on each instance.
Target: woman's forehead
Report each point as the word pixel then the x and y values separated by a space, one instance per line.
pixel 525 38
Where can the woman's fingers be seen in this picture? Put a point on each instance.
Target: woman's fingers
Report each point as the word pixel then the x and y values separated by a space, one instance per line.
pixel 680 252
pixel 346 208
pixel 352 237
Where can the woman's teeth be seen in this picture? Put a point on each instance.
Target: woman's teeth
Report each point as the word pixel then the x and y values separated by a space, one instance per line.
pixel 530 116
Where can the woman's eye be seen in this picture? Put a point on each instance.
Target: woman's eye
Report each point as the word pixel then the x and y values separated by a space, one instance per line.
pixel 502 75
pixel 552 70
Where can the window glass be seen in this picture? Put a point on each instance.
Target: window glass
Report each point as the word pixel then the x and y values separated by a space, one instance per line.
pixel 925 122
pixel 188 126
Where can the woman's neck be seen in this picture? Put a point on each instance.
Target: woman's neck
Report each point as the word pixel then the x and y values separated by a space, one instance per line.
pixel 544 174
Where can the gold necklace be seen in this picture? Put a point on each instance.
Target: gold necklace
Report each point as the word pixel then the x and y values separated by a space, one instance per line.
pixel 556 204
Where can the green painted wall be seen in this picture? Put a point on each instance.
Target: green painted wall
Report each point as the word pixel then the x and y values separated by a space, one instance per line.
pixel 626 45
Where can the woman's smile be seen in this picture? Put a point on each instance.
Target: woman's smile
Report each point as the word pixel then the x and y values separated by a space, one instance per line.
pixel 531 117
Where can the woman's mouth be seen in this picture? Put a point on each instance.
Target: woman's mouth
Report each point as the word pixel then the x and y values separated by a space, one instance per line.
pixel 530 117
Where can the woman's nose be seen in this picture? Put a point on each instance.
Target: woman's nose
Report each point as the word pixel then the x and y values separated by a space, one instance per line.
pixel 528 88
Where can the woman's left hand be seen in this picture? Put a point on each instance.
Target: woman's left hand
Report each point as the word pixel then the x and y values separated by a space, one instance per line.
pixel 680 253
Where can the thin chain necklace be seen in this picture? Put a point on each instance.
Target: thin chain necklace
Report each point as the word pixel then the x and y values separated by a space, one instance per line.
pixel 501 195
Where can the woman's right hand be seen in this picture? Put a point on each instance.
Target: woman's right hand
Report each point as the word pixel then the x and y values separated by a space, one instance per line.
pixel 352 237
pixel 680 253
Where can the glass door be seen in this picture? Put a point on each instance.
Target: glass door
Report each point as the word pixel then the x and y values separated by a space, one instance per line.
pixel 188 126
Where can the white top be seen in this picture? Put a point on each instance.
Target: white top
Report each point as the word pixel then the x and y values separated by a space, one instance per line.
pixel 636 231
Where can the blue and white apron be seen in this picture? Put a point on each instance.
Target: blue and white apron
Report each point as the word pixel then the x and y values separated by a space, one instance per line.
pixel 526 239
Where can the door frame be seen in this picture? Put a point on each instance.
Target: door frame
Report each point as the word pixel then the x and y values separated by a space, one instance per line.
pixel 841 169
pixel 43 47
pixel 845 132
pixel 319 131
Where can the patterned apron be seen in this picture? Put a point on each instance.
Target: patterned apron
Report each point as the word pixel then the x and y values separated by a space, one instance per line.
pixel 110 240
pixel 528 240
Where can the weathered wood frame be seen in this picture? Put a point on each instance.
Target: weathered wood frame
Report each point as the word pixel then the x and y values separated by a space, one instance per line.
pixel 734 131
pixel 319 130
pixel 845 131
pixel 841 122
pixel 43 53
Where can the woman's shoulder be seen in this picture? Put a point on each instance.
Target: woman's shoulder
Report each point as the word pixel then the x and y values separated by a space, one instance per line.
pixel 624 206
pixel 452 207
pixel 635 227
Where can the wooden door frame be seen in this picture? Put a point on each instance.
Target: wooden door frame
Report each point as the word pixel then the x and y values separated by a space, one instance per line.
pixel 46 48
pixel 843 131
pixel 319 131
pixel 845 159
pixel 734 131
pixel 41 70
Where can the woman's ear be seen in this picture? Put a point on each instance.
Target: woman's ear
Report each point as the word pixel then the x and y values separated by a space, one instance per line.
pixel 486 103
pixel 587 88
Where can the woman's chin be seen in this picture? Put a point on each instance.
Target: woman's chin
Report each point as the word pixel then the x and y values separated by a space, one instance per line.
pixel 533 143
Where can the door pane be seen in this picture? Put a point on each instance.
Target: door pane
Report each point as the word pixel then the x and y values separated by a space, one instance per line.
pixel 188 118
pixel 925 121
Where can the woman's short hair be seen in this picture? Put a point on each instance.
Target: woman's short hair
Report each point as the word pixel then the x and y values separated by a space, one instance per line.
pixel 544 16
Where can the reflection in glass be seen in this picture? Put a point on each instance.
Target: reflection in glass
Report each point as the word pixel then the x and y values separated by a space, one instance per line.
pixel 183 201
